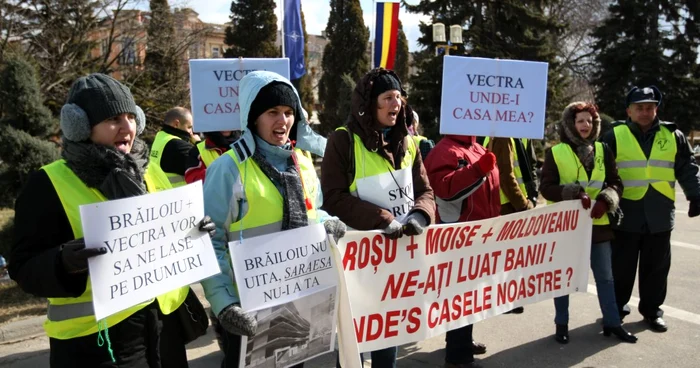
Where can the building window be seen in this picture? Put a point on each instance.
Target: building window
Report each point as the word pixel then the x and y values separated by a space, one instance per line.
pixel 215 52
pixel 193 52
pixel 128 56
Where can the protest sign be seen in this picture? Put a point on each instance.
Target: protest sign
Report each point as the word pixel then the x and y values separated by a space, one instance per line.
pixel 489 97
pixel 293 332
pixel 153 246
pixel 214 89
pixel 281 267
pixel 417 287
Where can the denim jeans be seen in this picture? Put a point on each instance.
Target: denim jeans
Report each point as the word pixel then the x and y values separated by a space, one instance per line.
pixel 601 264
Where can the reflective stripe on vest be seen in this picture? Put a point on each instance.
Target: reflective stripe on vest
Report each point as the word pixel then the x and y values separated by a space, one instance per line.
pixel 207 155
pixel 74 317
pixel 571 171
pixel 516 169
pixel 638 172
pixel 369 163
pixel 265 203
pixel 162 138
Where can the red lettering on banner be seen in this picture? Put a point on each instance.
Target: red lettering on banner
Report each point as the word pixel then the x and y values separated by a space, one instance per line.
pixel 413 320
pixel 444 239
pixel 393 285
pixel 513 290
pixel 541 224
pixel 524 256
pixel 479 266
pixel 460 305
pixel 359 256
pixel 377 325
pixel 225 108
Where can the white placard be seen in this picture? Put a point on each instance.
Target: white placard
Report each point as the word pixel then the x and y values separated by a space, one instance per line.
pixel 491 97
pixel 153 246
pixel 214 89
pixel 281 267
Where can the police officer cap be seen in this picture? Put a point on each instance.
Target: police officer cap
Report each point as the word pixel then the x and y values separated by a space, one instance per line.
pixel 642 95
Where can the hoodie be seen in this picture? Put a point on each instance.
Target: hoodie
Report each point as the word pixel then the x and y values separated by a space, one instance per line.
pixel 337 168
pixel 224 196
pixel 550 188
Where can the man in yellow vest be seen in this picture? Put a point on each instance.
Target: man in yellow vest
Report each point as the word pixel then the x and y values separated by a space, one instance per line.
pixel 651 156
pixel 205 152
pixel 173 143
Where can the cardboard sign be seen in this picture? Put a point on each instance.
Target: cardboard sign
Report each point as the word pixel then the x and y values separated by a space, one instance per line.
pixel 281 267
pixel 153 246
pixel 496 98
pixel 214 89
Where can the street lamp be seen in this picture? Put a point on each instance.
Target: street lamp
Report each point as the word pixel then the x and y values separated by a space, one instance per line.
pixel 442 42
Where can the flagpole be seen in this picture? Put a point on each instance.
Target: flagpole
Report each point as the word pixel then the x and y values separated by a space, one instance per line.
pixel 374 34
pixel 282 28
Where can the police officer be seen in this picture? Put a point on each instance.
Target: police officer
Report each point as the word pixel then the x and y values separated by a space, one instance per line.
pixel 651 156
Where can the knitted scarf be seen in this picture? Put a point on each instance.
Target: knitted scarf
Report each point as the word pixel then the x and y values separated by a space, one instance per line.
pixel 115 174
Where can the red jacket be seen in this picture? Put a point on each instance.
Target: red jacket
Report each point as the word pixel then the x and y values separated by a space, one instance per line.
pixel 462 191
pixel 196 169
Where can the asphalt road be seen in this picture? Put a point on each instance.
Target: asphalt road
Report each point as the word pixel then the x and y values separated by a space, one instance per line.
pixel 526 340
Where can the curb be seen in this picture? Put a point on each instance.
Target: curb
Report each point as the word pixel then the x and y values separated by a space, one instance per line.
pixel 33 326
pixel 22 329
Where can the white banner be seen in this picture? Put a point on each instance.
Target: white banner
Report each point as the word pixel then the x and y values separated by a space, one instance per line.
pixel 153 243
pixel 214 89
pixel 491 97
pixel 416 287
pixel 281 267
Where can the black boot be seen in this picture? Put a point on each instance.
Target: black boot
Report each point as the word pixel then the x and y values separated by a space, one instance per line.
pixel 562 335
pixel 621 334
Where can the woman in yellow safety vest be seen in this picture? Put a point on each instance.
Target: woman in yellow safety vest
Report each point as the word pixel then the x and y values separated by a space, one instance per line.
pixel 372 172
pixel 579 168
pixel 102 159
pixel 263 184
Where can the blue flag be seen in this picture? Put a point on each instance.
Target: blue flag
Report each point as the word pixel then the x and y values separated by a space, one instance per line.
pixel 294 38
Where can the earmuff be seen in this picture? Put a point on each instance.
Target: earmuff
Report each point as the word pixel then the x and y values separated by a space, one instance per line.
pixel 75 123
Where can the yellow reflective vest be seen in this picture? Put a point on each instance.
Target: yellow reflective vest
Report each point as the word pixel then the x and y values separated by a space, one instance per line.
pixel 207 155
pixel 638 172
pixel 369 163
pixel 572 171
pixel 516 169
pixel 162 138
pixel 265 203
pixel 74 317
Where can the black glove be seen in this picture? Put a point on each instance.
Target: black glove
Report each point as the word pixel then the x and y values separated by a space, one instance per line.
pixel 414 224
pixel 237 321
pixel 694 209
pixel 335 227
pixel 74 255
pixel 207 225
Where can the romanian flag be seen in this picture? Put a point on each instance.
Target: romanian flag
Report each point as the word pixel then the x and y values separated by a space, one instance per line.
pixel 386 34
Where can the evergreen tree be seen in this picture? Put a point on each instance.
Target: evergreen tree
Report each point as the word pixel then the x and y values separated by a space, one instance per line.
pixel 646 42
pixel 401 62
pixel 346 53
pixel 161 62
pixel 304 84
pixel 26 124
pixel 508 29
pixel 253 29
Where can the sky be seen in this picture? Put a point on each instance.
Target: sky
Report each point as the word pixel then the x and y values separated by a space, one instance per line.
pixel 315 13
